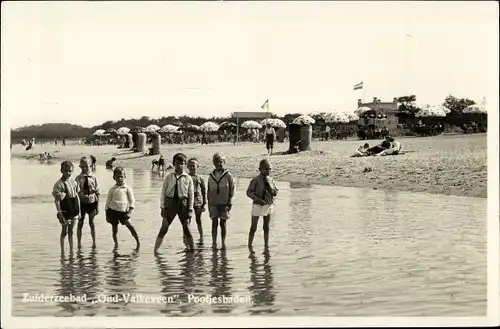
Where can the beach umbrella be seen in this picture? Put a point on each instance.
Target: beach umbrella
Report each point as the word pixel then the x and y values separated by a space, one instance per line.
pixel 430 112
pixel 227 125
pixel 336 117
pixel 99 132
pixel 138 129
pixel 360 110
pixel 169 129
pixel 152 128
pixel 209 126
pixel 189 127
pixel 177 123
pixel 351 116
pixel 374 114
pixel 275 123
pixel 434 108
pixel 122 131
pixel 303 120
pixel 250 124
pixel 475 109
pixel 111 131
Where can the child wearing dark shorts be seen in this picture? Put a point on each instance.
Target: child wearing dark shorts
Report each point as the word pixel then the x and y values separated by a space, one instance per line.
pixel 120 204
pixel 200 193
pixel 67 202
pixel 176 199
pixel 89 199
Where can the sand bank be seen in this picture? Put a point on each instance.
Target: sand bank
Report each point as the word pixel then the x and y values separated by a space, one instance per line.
pixel 447 164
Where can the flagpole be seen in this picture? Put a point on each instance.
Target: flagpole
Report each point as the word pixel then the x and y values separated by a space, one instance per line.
pixel 267 109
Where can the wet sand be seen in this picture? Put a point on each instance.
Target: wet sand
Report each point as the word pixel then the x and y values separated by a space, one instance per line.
pixel 447 164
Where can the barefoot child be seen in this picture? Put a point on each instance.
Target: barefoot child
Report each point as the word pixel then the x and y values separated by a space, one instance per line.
pixel 177 198
pixel 200 193
pixel 262 190
pixel 89 199
pixel 120 204
pixel 94 162
pixel 220 197
pixel 65 193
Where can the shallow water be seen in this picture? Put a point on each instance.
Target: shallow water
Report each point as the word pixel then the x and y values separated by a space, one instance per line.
pixel 333 252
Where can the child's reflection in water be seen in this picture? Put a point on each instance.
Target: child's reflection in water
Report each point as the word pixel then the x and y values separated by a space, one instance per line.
pixel 221 280
pixel 262 289
pixel 120 276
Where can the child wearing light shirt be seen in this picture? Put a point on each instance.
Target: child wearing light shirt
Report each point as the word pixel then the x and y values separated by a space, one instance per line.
pixel 176 199
pixel 120 204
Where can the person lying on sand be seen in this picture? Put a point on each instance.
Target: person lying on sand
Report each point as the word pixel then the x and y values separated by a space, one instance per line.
pixel 361 151
pixel 393 149
pixel 110 163
pixel 386 144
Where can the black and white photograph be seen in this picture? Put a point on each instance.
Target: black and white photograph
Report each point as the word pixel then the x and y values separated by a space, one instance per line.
pixel 249 163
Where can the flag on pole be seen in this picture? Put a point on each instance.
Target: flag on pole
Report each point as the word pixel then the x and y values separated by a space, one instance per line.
pixel 265 105
pixel 358 86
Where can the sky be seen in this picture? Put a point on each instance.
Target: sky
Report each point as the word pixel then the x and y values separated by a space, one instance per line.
pixel 89 62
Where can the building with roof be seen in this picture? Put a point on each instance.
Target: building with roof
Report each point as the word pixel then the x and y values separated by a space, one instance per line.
pixel 388 108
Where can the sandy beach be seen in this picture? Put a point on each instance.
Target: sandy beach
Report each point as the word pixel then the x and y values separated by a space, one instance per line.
pixel 447 164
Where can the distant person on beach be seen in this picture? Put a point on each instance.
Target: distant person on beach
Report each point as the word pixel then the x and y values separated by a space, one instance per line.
pixel 361 151
pixel 89 199
pixel 67 202
pixel 176 199
pixel 110 163
pixel 119 205
pixel 270 137
pixel 93 162
pixel 393 149
pixel 160 163
pixel 379 147
pixel 220 197
pixel 200 193
pixel 262 190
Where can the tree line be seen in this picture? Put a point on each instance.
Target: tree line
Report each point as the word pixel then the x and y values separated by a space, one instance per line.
pixel 407 108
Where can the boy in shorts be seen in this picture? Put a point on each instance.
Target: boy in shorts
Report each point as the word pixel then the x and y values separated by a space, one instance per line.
pixel 89 199
pixel 176 199
pixel 67 202
pixel 120 204
pixel 200 193
pixel 220 197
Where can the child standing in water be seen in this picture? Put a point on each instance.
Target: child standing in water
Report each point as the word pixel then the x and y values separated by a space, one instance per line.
pixel 120 204
pixel 220 197
pixel 89 199
pixel 200 193
pixel 65 193
pixel 262 190
pixel 177 199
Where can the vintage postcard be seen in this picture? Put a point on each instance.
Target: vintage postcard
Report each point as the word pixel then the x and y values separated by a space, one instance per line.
pixel 249 164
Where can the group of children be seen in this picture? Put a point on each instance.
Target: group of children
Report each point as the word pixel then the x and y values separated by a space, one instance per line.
pixel 183 195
